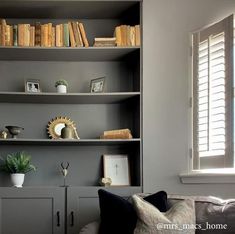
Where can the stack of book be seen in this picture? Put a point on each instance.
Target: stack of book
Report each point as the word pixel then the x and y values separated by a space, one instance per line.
pixel 117 134
pixel 127 35
pixel 71 34
pixel 105 42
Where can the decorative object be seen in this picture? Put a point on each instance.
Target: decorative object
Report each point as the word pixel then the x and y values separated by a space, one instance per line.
pixel 17 164
pixel 3 134
pixel 67 132
pixel 116 167
pixel 55 126
pixel 32 86
pixel 97 85
pixel 106 182
pixel 14 130
pixel 61 86
pixel 64 171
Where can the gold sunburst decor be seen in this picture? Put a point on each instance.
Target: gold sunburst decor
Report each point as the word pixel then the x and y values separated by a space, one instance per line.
pixel 55 126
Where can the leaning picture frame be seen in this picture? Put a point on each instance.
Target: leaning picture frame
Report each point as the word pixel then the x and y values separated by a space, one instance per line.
pixel 97 85
pixel 117 168
pixel 32 86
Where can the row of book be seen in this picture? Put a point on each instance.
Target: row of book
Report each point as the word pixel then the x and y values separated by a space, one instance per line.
pixel 71 34
pixel 117 134
pixel 127 35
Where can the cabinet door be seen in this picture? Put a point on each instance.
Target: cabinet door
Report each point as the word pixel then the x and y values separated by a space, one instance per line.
pixel 32 210
pixel 83 205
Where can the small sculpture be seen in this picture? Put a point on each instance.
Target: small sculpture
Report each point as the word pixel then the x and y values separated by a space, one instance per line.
pixel 3 134
pixel 64 171
pixel 106 182
pixel 14 130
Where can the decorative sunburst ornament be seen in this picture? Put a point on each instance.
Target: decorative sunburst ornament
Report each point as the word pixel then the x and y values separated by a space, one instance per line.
pixel 55 126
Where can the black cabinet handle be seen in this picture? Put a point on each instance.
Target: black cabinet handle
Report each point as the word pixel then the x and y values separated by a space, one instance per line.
pixel 72 219
pixel 58 218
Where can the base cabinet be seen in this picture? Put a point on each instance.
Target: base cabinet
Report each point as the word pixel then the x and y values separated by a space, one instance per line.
pixel 32 211
pixel 54 210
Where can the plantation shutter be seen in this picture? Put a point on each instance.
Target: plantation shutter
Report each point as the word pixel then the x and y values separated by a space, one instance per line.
pixel 213 96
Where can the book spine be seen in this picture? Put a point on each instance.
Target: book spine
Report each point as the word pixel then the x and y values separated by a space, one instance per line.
pixel 32 36
pixel 38 34
pixel 83 33
pixel 66 35
pixel 118 131
pixel 53 36
pixel 128 35
pixel 71 35
pixel 137 35
pixel 118 36
pixel 132 36
pixel 7 36
pixel 3 36
pixel 26 34
pixel 0 35
pixel 62 35
pixel 57 37
pixel 49 34
pixel 15 35
pixel 20 34
pixel 11 35
pixel 79 35
pixel 75 31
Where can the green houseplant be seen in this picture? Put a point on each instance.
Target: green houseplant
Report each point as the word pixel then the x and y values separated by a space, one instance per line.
pixel 17 164
pixel 61 86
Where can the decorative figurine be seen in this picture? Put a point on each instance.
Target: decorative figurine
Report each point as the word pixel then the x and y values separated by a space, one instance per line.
pixel 3 134
pixel 106 182
pixel 14 130
pixel 64 172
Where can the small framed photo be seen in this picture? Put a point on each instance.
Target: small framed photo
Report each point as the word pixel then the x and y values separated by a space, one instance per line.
pixel 32 86
pixel 116 167
pixel 97 85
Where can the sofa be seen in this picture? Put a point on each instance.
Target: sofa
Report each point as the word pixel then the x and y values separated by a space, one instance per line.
pixel 213 215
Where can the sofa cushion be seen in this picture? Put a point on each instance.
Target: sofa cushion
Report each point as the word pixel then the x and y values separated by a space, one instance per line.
pixel 90 228
pixel 118 215
pixel 213 215
pixel 152 221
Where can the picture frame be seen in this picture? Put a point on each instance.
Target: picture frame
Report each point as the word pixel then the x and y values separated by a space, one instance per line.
pixel 32 86
pixel 117 168
pixel 97 85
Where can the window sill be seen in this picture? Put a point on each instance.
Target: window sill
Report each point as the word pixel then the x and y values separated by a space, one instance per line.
pixel 207 178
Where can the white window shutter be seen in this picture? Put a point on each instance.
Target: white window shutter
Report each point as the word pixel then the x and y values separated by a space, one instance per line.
pixel 213 96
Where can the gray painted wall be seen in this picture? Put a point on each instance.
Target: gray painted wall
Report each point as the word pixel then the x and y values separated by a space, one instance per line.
pixel 167 24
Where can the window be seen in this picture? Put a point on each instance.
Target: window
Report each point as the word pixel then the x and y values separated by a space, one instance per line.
pixel 213 96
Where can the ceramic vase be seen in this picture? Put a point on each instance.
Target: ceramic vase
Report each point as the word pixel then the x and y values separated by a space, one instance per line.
pixel 61 89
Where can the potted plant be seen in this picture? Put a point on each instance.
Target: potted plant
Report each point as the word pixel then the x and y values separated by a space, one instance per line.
pixel 17 164
pixel 61 86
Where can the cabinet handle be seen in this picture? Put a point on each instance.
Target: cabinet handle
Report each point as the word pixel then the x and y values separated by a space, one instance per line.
pixel 58 218
pixel 72 219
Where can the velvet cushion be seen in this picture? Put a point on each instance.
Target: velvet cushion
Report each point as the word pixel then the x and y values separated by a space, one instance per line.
pixel 118 215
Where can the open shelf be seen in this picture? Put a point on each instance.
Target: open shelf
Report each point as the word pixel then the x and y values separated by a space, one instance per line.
pixel 89 142
pixel 65 53
pixel 67 98
pixel 86 9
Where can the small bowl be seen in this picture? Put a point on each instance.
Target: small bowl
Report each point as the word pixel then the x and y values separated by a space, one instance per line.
pixel 14 130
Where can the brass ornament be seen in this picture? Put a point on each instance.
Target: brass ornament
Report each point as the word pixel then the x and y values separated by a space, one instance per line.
pixel 55 126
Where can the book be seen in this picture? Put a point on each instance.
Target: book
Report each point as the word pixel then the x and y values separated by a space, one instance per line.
pixel 124 35
pixel 7 35
pixel 83 33
pixel 118 36
pixel 117 134
pixel 20 35
pixel 61 35
pixel 57 36
pixel 49 34
pixel 79 35
pixel 15 35
pixel 53 37
pixel 26 35
pixel 104 41
pixel 66 35
pixel 132 36
pixel 0 34
pixel 38 34
pixel 32 36
pixel 3 36
pixel 71 35
pixel 137 35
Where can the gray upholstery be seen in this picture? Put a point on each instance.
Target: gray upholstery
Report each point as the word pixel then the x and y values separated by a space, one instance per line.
pixel 209 211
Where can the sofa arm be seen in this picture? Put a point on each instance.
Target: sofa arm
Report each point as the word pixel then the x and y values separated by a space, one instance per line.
pixel 90 228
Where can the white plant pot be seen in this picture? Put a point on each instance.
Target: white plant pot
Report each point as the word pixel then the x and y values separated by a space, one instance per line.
pixel 61 89
pixel 17 180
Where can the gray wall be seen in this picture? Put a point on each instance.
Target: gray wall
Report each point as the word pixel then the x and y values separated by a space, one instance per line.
pixel 167 24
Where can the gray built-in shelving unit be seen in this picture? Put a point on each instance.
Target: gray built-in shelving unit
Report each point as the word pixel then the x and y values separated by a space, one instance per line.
pixel 120 106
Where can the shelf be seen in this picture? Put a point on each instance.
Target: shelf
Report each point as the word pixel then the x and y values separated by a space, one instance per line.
pixel 68 98
pixel 65 53
pixel 52 9
pixel 89 142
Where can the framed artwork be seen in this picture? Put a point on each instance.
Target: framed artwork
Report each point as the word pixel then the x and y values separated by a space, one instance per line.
pixel 116 167
pixel 32 86
pixel 97 85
